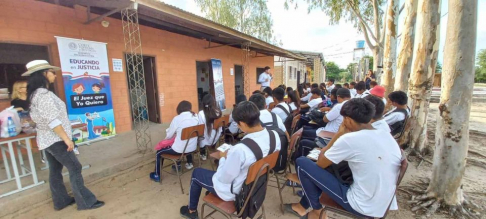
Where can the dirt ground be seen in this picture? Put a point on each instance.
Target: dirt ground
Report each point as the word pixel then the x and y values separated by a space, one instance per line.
pixel 131 194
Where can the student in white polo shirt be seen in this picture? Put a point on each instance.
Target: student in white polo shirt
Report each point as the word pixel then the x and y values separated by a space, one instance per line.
pixel 234 163
pixel 265 78
pixel 377 121
pixel 314 102
pixel 333 118
pixel 282 109
pixel 265 115
pixel 361 91
pixel 308 96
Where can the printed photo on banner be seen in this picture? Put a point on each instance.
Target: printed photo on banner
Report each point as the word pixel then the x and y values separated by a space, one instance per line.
pixel 85 73
pixel 218 83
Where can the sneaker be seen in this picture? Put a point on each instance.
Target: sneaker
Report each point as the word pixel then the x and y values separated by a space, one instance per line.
pixel 189 166
pixel 154 177
pixel 292 184
pixel 185 213
pixel 203 157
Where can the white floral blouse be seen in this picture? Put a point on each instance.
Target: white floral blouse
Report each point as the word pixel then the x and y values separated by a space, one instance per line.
pixel 48 112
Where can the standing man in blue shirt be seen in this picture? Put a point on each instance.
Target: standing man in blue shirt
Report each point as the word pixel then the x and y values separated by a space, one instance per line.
pixel 265 78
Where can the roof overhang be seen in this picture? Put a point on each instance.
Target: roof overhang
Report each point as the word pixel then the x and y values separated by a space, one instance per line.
pixel 159 15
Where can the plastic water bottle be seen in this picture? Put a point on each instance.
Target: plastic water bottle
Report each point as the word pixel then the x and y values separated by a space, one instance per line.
pixel 11 128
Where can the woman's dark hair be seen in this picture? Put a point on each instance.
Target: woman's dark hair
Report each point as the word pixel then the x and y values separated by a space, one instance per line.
pixel 289 89
pixel 360 86
pixel 399 97
pixel 268 91
pixel 294 98
pixel 184 106
pixel 359 110
pixel 211 111
pixel 322 86
pixel 36 80
pixel 334 93
pixel 379 106
pixel 300 90
pixel 258 100
pixel 248 113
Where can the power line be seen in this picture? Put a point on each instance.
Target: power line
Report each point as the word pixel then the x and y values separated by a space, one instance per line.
pixel 336 54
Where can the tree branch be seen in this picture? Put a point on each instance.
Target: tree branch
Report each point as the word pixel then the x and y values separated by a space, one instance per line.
pixel 367 39
pixel 382 39
pixel 376 19
pixel 366 27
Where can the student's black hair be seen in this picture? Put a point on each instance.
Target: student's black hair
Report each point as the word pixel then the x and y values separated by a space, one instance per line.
pixel 257 92
pixel 334 92
pixel 360 86
pixel 247 112
pixel 399 97
pixel 184 106
pixel 258 100
pixel 343 93
pixel 316 91
pixel 338 86
pixel 300 90
pixel 373 83
pixel 282 86
pixel 211 111
pixel 240 98
pixel 346 85
pixel 379 106
pixel 294 98
pixel 36 80
pixel 266 68
pixel 289 89
pixel 353 83
pixel 331 80
pixel 278 94
pixel 268 91
pixel 322 86
pixel 314 85
pixel 359 110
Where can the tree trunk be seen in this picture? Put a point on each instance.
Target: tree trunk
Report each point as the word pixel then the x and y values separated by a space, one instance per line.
pixel 390 47
pixel 377 57
pixel 404 64
pixel 423 70
pixel 452 133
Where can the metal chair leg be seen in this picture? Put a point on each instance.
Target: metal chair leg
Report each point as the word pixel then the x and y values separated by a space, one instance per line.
pixel 280 194
pixel 179 175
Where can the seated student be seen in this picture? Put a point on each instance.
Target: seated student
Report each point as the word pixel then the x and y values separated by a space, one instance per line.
pixel 300 91
pixel 234 164
pixel 185 118
pixel 361 91
pixel 338 86
pixel 378 91
pixel 377 121
pixel 373 84
pixel 207 116
pixel 308 87
pixel 233 127
pixel 258 92
pixel 330 85
pixel 346 85
pixel 268 96
pixel 314 100
pixel 396 117
pixel 307 98
pixel 351 88
pixel 265 115
pixel 294 100
pixel 374 159
pixel 278 95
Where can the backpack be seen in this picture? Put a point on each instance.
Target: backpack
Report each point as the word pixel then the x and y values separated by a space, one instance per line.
pixel 284 143
pixel 258 195
pixel 290 117
pixel 397 127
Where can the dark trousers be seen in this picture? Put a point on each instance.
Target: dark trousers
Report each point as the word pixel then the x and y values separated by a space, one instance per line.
pixel 305 147
pixel 160 161
pixel 309 132
pixel 201 178
pixel 315 181
pixel 58 157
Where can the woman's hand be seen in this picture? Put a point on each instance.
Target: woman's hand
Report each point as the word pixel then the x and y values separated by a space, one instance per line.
pixel 70 145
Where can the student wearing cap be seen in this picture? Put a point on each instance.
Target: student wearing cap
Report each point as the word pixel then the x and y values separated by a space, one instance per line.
pixel 379 91
pixel 54 136
pixel 265 78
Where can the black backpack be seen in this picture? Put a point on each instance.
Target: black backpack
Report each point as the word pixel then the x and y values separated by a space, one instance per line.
pixel 289 119
pixel 258 195
pixel 284 143
pixel 397 127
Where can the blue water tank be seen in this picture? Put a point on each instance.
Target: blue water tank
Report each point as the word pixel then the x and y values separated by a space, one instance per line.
pixel 360 44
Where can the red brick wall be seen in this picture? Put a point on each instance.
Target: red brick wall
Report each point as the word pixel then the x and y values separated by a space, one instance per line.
pixel 35 22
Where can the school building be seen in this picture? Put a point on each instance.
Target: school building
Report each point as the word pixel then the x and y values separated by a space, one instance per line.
pixel 177 48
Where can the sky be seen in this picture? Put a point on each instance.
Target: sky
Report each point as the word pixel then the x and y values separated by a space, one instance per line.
pixel 300 30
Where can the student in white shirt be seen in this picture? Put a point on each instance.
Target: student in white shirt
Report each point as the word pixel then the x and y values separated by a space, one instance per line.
pixel 265 115
pixel 234 163
pixel 307 98
pixel 396 117
pixel 268 96
pixel 377 121
pixel 185 118
pixel 265 78
pixel 315 100
pixel 207 116
pixel 294 100
pixel 333 118
pixel 361 91
pixel 352 90
pixel 233 127
pixel 278 95
pixel 330 85
pixel 373 156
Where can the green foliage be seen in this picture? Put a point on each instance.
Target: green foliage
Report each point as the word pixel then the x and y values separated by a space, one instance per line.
pixel 345 76
pixel 480 74
pixel 333 71
pixel 251 17
pixel 438 68
pixel 370 61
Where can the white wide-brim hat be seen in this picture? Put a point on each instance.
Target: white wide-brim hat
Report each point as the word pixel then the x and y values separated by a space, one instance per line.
pixel 38 65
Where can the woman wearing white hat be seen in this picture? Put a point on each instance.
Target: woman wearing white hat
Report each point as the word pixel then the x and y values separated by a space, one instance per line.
pixel 54 136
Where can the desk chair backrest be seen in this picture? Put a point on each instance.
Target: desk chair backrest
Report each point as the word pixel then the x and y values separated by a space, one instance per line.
pixel 223 122
pixel 294 140
pixel 188 133
pixel 294 123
